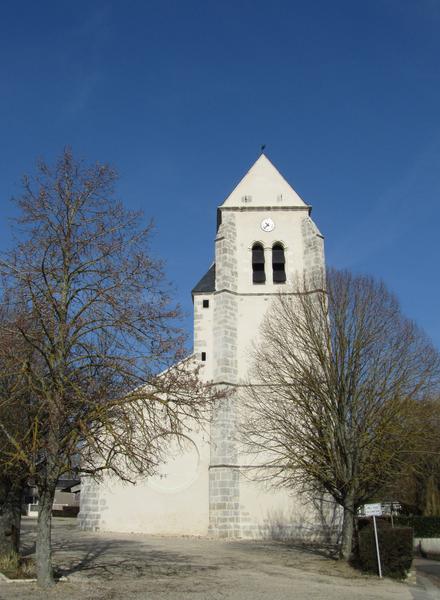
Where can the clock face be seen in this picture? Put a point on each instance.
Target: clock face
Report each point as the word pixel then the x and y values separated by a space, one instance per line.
pixel 267 225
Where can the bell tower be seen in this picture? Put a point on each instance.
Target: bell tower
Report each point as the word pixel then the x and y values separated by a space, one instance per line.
pixel 265 240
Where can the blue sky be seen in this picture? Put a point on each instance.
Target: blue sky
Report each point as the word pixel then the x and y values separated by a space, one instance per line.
pixel 179 96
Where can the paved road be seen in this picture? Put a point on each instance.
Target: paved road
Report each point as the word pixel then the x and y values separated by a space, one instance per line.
pixel 138 567
pixel 428 573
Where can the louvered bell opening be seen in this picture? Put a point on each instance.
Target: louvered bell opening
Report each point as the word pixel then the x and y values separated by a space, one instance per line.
pixel 278 262
pixel 257 255
pixel 278 254
pixel 279 273
pixel 258 274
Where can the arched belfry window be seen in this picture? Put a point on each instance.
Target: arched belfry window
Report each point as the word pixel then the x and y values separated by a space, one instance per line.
pixel 258 273
pixel 278 263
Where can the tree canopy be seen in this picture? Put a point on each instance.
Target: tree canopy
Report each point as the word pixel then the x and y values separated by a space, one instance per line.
pixel 335 377
pixel 99 335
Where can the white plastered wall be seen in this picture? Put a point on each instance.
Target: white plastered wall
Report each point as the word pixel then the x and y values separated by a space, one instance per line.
pixel 173 502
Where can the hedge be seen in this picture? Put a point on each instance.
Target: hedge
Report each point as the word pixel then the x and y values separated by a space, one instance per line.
pixel 396 550
pixel 424 527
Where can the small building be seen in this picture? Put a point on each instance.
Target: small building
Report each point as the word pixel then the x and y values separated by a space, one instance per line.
pixel 66 501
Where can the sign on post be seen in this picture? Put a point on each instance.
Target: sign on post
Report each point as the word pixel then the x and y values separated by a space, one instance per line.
pixel 375 510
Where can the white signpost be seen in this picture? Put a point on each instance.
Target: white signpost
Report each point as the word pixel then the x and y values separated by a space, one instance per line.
pixel 375 510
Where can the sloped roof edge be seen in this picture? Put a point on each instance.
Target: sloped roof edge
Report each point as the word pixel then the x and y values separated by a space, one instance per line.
pixel 206 283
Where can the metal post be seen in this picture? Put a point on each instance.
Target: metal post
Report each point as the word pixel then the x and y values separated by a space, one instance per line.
pixel 377 548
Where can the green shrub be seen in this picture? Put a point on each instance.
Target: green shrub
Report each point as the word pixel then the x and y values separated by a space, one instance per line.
pixel 424 527
pixel 396 550
pixel 363 522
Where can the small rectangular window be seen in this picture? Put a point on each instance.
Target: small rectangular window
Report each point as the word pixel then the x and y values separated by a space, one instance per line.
pixel 203 356
pixel 205 303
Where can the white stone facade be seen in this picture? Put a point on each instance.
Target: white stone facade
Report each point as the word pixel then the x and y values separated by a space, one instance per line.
pixel 207 490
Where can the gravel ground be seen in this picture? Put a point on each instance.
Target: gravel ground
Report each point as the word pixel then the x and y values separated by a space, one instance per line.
pixel 139 567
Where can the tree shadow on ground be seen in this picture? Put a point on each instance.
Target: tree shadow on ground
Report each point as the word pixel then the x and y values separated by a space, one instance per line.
pixel 101 558
pixel 288 546
pixel 104 556
pixel 317 559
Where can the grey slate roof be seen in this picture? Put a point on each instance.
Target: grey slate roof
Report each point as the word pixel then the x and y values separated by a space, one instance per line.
pixel 207 283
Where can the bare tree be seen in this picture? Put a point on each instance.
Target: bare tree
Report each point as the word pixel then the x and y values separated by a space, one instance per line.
pixel 103 336
pixel 14 419
pixel 335 379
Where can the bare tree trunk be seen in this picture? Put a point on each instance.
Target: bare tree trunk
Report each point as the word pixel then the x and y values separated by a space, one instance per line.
pixel 345 551
pixel 10 514
pixel 44 552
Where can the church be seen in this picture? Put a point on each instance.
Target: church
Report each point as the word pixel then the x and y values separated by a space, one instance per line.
pixel 265 239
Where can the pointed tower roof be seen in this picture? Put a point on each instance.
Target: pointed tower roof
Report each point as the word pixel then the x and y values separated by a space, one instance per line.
pixel 263 186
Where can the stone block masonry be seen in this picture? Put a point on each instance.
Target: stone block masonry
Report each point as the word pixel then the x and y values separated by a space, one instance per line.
pixel 226 254
pixel 93 504
pixel 313 245
pixel 224 476
pixel 224 502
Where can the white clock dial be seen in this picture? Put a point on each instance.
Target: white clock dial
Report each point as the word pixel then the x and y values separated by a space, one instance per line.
pixel 267 225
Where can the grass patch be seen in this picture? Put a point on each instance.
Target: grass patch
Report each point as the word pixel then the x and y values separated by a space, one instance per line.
pixel 15 567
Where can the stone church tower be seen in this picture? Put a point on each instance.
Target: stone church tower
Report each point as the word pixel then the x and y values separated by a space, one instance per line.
pixel 265 239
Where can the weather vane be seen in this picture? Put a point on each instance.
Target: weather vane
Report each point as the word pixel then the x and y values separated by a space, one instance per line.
pixel 262 148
